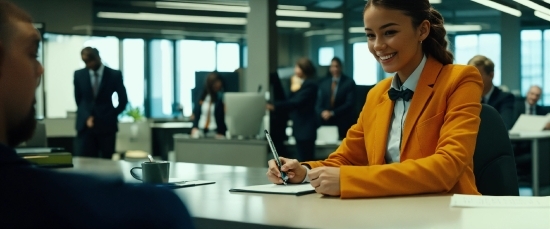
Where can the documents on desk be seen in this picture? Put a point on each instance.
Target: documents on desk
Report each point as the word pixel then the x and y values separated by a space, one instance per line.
pixel 290 189
pixel 530 123
pixel 474 201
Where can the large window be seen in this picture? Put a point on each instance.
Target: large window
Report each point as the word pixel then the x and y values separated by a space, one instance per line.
pixel 202 56
pixel 193 56
pixel 365 67
pixel 61 59
pixel 546 85
pixel 162 80
pixel 227 57
pixel 325 56
pixel 531 60
pixel 467 46
pixel 133 71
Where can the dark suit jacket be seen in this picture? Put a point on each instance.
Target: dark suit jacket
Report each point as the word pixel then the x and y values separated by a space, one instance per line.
pixel 301 108
pixel 503 102
pixel 519 109
pixel 32 197
pixel 101 107
pixel 344 101
pixel 219 115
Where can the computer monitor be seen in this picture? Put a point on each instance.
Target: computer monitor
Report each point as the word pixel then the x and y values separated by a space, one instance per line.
pixel 244 113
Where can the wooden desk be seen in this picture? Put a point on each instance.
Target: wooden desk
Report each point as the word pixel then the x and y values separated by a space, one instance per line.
pixel 534 137
pixel 213 206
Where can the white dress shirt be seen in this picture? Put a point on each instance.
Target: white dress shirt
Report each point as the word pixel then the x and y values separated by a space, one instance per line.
pixel 400 111
pixel 99 73
pixel 204 113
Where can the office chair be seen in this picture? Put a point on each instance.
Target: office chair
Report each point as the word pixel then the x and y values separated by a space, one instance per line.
pixel 494 162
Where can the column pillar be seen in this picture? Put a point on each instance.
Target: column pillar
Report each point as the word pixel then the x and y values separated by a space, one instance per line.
pixel 261 31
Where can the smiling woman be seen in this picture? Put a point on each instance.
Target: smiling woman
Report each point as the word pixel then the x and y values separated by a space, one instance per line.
pixel 417 131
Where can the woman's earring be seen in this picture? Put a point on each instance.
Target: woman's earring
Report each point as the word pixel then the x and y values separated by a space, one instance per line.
pixel 420 41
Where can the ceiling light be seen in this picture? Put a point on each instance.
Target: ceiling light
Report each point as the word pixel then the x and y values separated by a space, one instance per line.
pixel 462 28
pixel 293 24
pixel 308 14
pixel 435 1
pixel 500 7
pixel 534 6
pixel 173 18
pixel 322 32
pixel 289 7
pixel 204 7
pixel 356 30
pixel 542 15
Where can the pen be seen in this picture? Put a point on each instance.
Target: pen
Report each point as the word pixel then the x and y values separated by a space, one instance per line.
pixel 276 156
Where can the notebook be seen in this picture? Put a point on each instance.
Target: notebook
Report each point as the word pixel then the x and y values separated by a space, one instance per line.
pixel 290 189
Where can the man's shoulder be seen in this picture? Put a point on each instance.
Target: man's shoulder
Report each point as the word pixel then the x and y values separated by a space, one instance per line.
pixel 79 72
pixel 112 72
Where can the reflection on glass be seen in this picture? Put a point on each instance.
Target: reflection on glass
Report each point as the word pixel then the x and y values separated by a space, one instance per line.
pixel 133 71
pixel 467 46
pixel 365 67
pixel 325 55
pixel 531 59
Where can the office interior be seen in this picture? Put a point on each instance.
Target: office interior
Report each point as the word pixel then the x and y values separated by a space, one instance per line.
pixel 166 48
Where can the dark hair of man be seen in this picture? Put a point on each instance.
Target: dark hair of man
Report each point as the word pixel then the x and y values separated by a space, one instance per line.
pixel 8 14
pixel 337 61
pixel 307 67
pixel 435 44
pixel 91 53
pixel 482 61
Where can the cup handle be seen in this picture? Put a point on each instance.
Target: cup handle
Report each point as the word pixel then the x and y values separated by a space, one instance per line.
pixel 135 175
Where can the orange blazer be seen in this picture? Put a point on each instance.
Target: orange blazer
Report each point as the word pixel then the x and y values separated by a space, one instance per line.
pixel 438 141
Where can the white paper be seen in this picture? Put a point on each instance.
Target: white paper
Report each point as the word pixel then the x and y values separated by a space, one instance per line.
pixel 530 123
pixel 474 201
pixel 274 188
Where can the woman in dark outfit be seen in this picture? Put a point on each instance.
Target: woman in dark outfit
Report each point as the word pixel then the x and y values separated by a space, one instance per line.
pixel 301 108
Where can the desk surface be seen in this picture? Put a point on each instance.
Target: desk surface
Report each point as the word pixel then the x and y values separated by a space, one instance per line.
pixel 214 206
pixel 528 135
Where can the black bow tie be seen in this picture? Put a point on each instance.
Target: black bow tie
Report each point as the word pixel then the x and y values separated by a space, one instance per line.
pixel 405 94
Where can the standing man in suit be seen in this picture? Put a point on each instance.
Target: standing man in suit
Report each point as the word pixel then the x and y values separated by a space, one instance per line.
pixel 96 121
pixel 336 99
pixel 502 101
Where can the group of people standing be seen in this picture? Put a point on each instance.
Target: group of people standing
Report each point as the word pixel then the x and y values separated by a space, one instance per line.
pixel 312 102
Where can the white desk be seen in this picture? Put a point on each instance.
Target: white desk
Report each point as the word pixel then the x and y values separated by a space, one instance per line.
pixel 534 137
pixel 213 206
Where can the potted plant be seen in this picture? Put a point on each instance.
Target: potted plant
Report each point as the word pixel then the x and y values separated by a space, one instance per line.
pixel 136 115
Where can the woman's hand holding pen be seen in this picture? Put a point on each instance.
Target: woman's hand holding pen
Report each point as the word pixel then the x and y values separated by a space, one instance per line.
pixel 325 180
pixel 296 173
